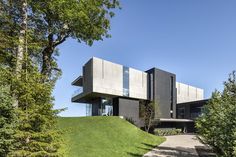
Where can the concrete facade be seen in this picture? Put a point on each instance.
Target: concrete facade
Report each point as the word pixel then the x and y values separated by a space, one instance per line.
pixel 88 77
pixel 187 93
pixel 107 77
pixel 101 76
pixel 114 89
pixel 137 84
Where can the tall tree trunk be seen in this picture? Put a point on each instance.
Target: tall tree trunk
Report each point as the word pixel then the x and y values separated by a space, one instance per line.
pixel 22 43
pixel 150 121
pixel 22 37
pixel 47 59
pixel 47 55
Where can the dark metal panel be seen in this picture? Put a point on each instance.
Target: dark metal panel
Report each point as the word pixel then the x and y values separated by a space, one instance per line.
pixel 163 88
pixel 129 109
pixel 115 106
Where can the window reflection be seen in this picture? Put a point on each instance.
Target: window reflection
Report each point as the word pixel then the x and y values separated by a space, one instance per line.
pixel 125 81
pixel 106 107
pixel 181 113
pixel 88 109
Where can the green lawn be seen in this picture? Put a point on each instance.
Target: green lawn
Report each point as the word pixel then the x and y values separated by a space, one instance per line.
pixel 105 137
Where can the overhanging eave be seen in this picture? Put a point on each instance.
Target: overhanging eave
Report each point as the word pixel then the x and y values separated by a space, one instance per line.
pixel 78 81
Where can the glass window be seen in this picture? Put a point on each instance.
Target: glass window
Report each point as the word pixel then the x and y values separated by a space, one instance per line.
pixel 196 112
pixel 172 95
pixel 181 112
pixel 106 107
pixel 88 109
pixel 125 81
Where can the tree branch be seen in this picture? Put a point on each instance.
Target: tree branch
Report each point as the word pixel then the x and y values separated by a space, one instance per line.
pixel 60 40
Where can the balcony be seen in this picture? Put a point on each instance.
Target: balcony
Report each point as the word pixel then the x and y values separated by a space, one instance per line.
pixel 77 92
pixel 78 81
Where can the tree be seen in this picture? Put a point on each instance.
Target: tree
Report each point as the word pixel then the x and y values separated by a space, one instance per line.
pixel 22 36
pixel 30 31
pixel 9 32
pixel 147 114
pixel 54 21
pixel 28 129
pixel 217 125
pixel 7 115
pixel 50 22
pixel 36 133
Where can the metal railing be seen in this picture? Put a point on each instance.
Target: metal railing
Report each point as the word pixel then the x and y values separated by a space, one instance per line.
pixel 77 92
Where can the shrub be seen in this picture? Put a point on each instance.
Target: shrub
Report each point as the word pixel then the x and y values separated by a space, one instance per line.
pixel 167 131
pixel 130 120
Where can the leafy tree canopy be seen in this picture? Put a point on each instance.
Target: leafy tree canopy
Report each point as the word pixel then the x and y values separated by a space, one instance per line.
pixel 218 123
pixel 51 22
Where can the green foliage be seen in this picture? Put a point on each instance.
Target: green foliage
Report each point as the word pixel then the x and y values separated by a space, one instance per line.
pixel 148 114
pixel 234 143
pixel 53 21
pixel 84 20
pixel 49 23
pixel 10 25
pixel 7 115
pixel 105 136
pixel 166 131
pixel 218 123
pixel 36 133
pixel 28 129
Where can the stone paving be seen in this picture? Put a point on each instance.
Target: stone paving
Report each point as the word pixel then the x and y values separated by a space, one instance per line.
pixel 181 146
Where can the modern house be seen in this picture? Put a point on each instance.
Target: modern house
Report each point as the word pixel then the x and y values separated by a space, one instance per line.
pixel 113 89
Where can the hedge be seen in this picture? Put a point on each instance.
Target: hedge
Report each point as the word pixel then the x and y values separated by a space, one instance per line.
pixel 167 131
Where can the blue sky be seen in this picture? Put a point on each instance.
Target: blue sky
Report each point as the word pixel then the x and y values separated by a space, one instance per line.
pixel 195 39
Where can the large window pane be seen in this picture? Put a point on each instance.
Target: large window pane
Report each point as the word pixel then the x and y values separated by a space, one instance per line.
pixel 106 107
pixel 125 81
pixel 88 109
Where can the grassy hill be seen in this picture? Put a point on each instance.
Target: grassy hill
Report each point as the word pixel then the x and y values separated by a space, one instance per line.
pixel 105 137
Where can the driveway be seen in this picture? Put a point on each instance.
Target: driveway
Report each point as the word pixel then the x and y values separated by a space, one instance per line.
pixel 181 146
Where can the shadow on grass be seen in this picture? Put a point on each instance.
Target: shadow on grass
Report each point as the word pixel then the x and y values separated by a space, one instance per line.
pixel 198 151
pixel 149 145
pixel 146 146
pixel 134 154
pixel 174 152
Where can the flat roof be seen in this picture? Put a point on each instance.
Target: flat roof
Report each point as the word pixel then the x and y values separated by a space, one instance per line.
pixel 175 120
pixel 194 102
pixel 78 81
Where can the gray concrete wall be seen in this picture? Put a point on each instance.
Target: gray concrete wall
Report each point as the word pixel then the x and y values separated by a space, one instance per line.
pixel 88 77
pixel 137 84
pixel 186 93
pixel 108 79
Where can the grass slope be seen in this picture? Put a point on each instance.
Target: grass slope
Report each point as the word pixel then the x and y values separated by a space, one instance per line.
pixel 105 137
